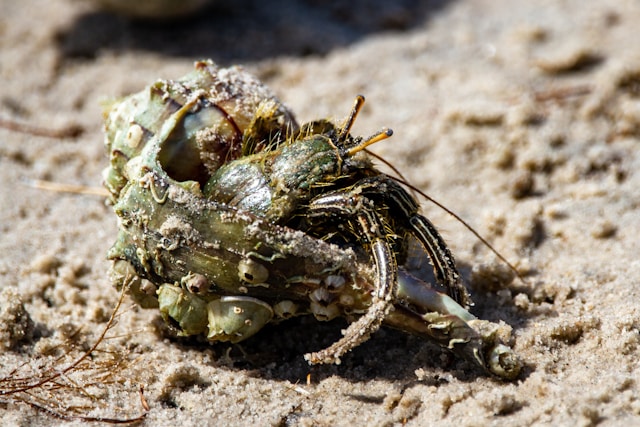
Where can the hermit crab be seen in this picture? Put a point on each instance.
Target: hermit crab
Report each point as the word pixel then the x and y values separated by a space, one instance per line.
pixel 232 216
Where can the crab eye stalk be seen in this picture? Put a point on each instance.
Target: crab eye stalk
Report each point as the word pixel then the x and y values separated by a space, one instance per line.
pixel 381 135
pixel 348 124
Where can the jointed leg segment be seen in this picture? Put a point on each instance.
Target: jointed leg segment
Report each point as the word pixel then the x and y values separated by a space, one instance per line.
pixel 405 210
pixel 372 228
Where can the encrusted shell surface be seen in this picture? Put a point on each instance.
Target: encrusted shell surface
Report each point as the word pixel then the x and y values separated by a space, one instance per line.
pixel 164 143
pixel 225 112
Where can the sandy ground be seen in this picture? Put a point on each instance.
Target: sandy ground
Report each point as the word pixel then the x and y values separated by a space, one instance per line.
pixel 523 118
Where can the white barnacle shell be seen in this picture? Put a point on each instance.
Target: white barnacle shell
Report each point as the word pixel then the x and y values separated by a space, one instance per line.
pixel 321 295
pixel 324 312
pixel 252 272
pixel 134 136
pixel 147 287
pixel 235 318
pixel 285 309
pixel 195 283
pixel 322 305
pixel 334 282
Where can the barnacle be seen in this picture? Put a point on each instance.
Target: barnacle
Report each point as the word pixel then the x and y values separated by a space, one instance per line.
pixel 237 318
pixel 232 216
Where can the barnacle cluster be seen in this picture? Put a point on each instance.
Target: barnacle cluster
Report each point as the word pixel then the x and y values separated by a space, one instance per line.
pixel 232 216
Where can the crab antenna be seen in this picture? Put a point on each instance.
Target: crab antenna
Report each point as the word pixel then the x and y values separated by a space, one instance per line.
pixel 376 137
pixel 357 106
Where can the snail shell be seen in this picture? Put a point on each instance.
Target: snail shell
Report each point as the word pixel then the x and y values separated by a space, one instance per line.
pixel 228 113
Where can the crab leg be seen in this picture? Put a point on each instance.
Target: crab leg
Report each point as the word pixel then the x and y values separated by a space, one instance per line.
pixel 405 209
pixel 386 278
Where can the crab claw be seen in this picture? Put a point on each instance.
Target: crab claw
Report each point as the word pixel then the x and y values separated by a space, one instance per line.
pixel 422 310
pixel 504 363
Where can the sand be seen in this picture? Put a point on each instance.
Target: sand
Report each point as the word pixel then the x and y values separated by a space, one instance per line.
pixel 522 118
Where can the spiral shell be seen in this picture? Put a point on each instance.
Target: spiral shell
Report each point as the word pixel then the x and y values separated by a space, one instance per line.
pixel 223 114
